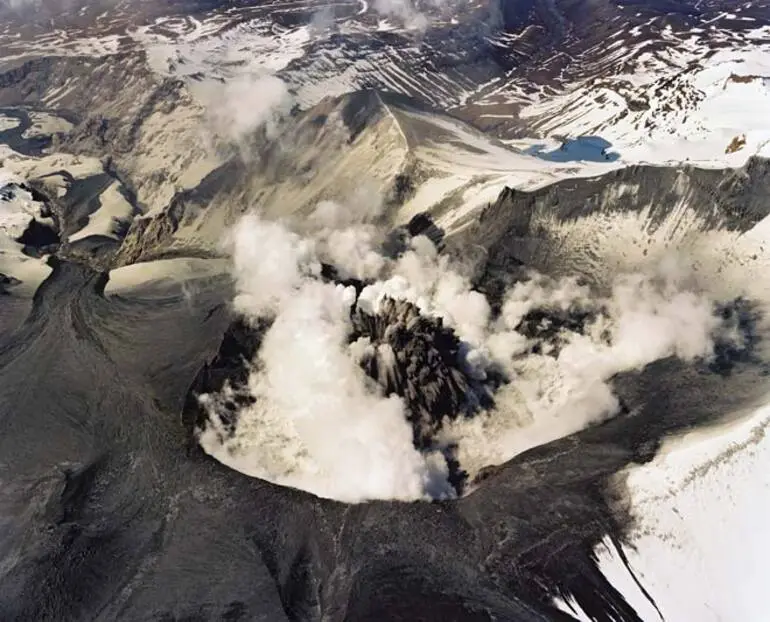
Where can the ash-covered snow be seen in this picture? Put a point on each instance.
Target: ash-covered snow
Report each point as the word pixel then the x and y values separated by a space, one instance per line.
pixel 111 219
pixel 216 52
pixel 8 123
pixel 463 161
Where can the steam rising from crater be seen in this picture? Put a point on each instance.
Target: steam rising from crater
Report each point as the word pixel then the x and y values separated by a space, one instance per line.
pixel 537 370
pixel 415 15
pixel 317 422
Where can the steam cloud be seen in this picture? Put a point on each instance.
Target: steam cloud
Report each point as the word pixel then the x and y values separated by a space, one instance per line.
pixel 247 103
pixel 318 423
pixel 561 389
pixel 411 15
pixel 404 11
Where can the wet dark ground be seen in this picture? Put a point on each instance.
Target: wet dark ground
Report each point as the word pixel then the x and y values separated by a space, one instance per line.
pixel 109 511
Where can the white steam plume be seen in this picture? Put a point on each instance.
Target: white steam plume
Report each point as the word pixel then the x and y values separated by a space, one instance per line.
pixel 645 317
pixel 346 240
pixel 319 424
pixel 247 103
pixel 404 11
pixel 415 15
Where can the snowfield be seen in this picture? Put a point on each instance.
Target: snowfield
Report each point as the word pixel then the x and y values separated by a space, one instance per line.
pixel 707 108
pixel 702 538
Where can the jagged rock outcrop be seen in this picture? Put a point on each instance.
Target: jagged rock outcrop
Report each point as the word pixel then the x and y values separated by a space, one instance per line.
pixel 408 354
pixel 229 369
pixel 146 239
pixel 419 359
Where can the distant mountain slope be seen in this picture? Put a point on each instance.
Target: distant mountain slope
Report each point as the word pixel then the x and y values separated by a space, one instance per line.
pixel 359 149
pixel 633 73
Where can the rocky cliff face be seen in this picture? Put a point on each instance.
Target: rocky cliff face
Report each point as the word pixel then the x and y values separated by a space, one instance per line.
pixel 347 150
pixel 618 221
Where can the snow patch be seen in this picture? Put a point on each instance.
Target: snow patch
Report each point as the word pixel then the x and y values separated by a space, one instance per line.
pixel 692 111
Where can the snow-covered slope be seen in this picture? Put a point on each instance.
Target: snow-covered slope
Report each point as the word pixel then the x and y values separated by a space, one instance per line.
pixel 17 206
pixel 57 201
pixel 634 215
pixel 701 540
pixel 657 86
pixel 704 106
pixel 461 170
pixel 158 89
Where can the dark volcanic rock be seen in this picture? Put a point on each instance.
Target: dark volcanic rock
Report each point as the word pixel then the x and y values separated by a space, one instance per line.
pixel 412 356
pixel 145 236
pixel 229 368
pixel 39 238
pixel 7 282
pixel 418 359
pixel 545 327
